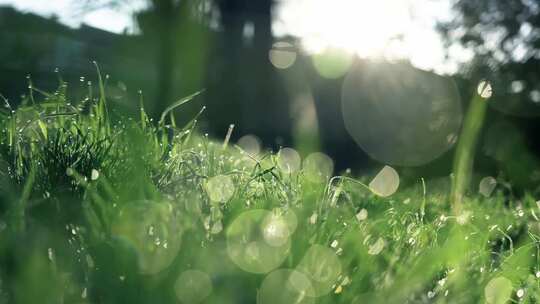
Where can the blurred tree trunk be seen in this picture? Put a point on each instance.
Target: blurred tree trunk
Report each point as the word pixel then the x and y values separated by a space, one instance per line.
pixel 167 14
pixel 249 88
pixel 159 25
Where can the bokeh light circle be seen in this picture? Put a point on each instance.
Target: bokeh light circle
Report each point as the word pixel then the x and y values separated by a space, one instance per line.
pixel 318 167
pixel 385 183
pixel 258 241
pixel 498 290
pixel 251 144
pixel 511 96
pixel 192 286
pixel 219 188
pixel 400 115
pixel 278 228
pixel 322 266
pixel 153 230
pixel 487 185
pixel 289 160
pixel 286 286
pixel 282 55
pixel 332 63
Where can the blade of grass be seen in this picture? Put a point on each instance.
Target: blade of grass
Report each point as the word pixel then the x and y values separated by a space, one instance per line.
pixel 176 105
pixel 464 157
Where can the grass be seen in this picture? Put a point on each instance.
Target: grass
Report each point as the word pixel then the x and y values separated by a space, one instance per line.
pixel 97 207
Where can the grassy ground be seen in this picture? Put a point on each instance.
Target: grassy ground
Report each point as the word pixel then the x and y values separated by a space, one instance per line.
pixel 100 208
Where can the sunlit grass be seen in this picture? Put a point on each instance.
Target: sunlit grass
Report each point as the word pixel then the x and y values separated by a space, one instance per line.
pixel 103 208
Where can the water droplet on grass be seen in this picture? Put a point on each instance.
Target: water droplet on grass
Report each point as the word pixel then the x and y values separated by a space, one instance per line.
pixel 400 115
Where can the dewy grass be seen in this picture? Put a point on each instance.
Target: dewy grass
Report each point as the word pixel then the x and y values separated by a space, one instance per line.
pixel 96 209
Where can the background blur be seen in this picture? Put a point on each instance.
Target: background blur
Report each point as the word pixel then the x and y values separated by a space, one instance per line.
pixel 312 74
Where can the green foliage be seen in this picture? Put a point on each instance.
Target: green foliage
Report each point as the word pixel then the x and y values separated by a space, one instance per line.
pixel 96 209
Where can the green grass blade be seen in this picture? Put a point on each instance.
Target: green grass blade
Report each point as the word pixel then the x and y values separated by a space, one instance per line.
pixel 465 151
pixel 177 104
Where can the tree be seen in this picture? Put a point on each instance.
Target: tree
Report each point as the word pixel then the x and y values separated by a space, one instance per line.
pixel 504 36
pixel 203 44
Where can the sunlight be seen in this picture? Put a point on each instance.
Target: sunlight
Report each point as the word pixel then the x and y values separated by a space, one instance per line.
pixel 389 29
pixel 366 27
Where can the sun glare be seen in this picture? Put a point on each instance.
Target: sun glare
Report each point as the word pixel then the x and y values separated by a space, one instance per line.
pixel 365 27
pixel 390 29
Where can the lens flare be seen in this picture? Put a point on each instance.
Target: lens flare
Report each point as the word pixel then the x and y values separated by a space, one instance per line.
pixel 251 144
pixel 289 160
pixel 286 286
pixel 318 167
pixel 332 63
pixel 282 55
pixel 192 286
pixel 400 115
pixel 258 241
pixel 153 230
pixel 385 183
pixel 498 290
pixel 277 228
pixel 219 188
pixel 487 185
pixel 322 266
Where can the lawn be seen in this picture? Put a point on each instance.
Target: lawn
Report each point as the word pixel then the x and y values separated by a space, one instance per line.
pixel 101 207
